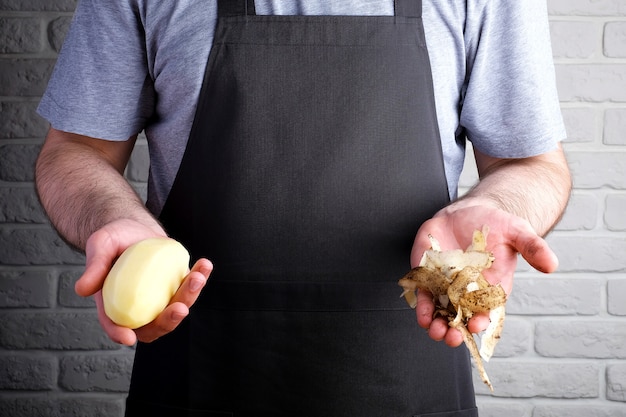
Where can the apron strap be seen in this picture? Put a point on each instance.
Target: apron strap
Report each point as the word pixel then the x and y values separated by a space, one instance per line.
pixel 227 8
pixel 406 8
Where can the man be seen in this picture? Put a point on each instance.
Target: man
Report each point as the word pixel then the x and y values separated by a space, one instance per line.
pixel 300 146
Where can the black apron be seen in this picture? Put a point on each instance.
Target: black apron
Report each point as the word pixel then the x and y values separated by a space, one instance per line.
pixel 313 159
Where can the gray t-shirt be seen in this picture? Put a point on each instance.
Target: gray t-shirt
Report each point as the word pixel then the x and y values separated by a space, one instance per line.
pixel 133 65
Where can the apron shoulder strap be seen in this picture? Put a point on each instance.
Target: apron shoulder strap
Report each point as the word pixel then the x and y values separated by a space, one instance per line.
pixel 227 8
pixel 406 8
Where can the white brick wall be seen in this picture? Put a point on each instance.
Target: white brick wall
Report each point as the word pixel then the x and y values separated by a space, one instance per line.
pixel 563 351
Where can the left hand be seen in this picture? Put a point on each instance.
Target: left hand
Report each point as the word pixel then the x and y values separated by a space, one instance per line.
pixel 508 235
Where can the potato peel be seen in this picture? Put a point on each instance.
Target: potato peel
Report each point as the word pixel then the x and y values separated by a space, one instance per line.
pixel 454 278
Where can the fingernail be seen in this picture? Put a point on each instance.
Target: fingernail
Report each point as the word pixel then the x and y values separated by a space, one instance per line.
pixel 178 316
pixel 196 284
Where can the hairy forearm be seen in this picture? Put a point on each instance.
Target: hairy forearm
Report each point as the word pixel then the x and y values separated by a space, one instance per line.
pixel 82 190
pixel 536 189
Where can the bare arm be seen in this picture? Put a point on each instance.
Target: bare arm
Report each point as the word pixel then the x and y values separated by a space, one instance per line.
pixel 536 189
pixel 82 188
pixel 81 185
pixel 520 200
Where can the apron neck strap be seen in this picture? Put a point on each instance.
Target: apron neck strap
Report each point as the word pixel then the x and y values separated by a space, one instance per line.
pixel 406 8
pixel 227 8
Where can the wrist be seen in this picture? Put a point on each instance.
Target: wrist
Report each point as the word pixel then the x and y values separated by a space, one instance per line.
pixel 467 202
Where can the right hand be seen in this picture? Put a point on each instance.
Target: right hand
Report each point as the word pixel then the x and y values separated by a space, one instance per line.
pixel 103 248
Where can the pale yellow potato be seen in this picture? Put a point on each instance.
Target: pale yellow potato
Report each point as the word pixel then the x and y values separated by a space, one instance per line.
pixel 143 280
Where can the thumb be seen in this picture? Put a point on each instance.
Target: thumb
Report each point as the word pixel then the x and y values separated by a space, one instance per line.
pixel 100 253
pixel 90 282
pixel 535 250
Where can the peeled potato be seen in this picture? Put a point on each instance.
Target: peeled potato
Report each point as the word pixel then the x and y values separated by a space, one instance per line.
pixel 143 280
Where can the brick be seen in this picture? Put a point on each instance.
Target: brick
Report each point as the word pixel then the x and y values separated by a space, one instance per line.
pixel 35 246
pixel 20 35
pixel 591 82
pixel 18 162
pixel 24 77
pixel 555 295
pixel 139 163
pixel 21 205
pixel 587 7
pixel 521 379
pixel 581 213
pixel 77 406
pixel 20 120
pixel 26 289
pixel 53 331
pixel 616 294
pixel 38 5
pixel 57 29
pixel 515 338
pixel 614 212
pixel 581 124
pixel 67 295
pixel 581 339
pixel 597 169
pixel 614 126
pixel 616 383
pixel 96 373
pixel 589 252
pixel 487 408
pixel 574 39
pixel 615 39
pixel 579 410
pixel 28 372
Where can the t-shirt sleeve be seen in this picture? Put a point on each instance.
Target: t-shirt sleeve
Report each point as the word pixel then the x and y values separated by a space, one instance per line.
pixel 101 86
pixel 510 108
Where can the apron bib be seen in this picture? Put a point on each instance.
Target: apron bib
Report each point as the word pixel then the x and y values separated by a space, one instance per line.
pixel 313 159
